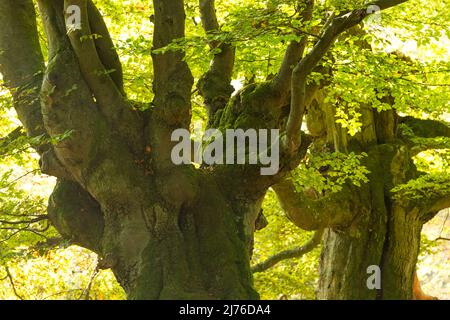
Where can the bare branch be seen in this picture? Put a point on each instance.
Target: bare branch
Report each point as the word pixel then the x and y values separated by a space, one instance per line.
pixel 35 220
pixel 61 292
pixel 28 229
pixel 290 254
pixel 10 236
pixel 11 281
pixel 86 292
pixel 445 221
pixel 21 177
pixel 50 243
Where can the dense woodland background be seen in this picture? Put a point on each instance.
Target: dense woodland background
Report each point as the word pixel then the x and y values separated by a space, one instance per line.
pixel 36 263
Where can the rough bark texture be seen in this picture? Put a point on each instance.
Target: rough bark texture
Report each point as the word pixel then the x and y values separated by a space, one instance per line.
pixel 367 225
pixel 167 232
pixel 177 232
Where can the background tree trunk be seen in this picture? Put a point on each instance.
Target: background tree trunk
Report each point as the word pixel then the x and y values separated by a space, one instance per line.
pixel 368 225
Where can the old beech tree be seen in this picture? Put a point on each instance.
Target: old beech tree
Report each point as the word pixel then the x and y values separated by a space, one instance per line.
pixel 181 232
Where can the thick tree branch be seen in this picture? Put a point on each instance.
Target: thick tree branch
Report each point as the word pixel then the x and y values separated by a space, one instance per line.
pixel 422 144
pixel 22 66
pixel 215 85
pixel 21 61
pixel 427 128
pixel 427 195
pixel 294 52
pixel 421 135
pixel 105 46
pixel 76 215
pixel 172 83
pixel 68 105
pixel 92 67
pixel 209 18
pixel 66 100
pixel 290 254
pixel 103 76
pixel 300 73
pixel 311 213
pixel 440 204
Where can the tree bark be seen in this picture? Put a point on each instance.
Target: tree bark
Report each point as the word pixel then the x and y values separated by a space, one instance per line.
pixel 199 251
pixel 368 225
pixel 167 231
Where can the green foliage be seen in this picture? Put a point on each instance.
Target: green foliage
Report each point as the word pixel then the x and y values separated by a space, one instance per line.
pixel 397 63
pixel 328 172
pixel 429 186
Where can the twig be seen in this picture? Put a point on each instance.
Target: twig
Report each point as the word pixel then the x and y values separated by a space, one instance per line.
pixel 21 177
pixel 10 236
pixel 38 219
pixel 26 229
pixel 442 229
pixel 61 292
pixel 86 292
pixel 8 274
pixel 445 221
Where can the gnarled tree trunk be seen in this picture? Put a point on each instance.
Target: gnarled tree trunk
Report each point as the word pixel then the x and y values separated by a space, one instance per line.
pixel 167 231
